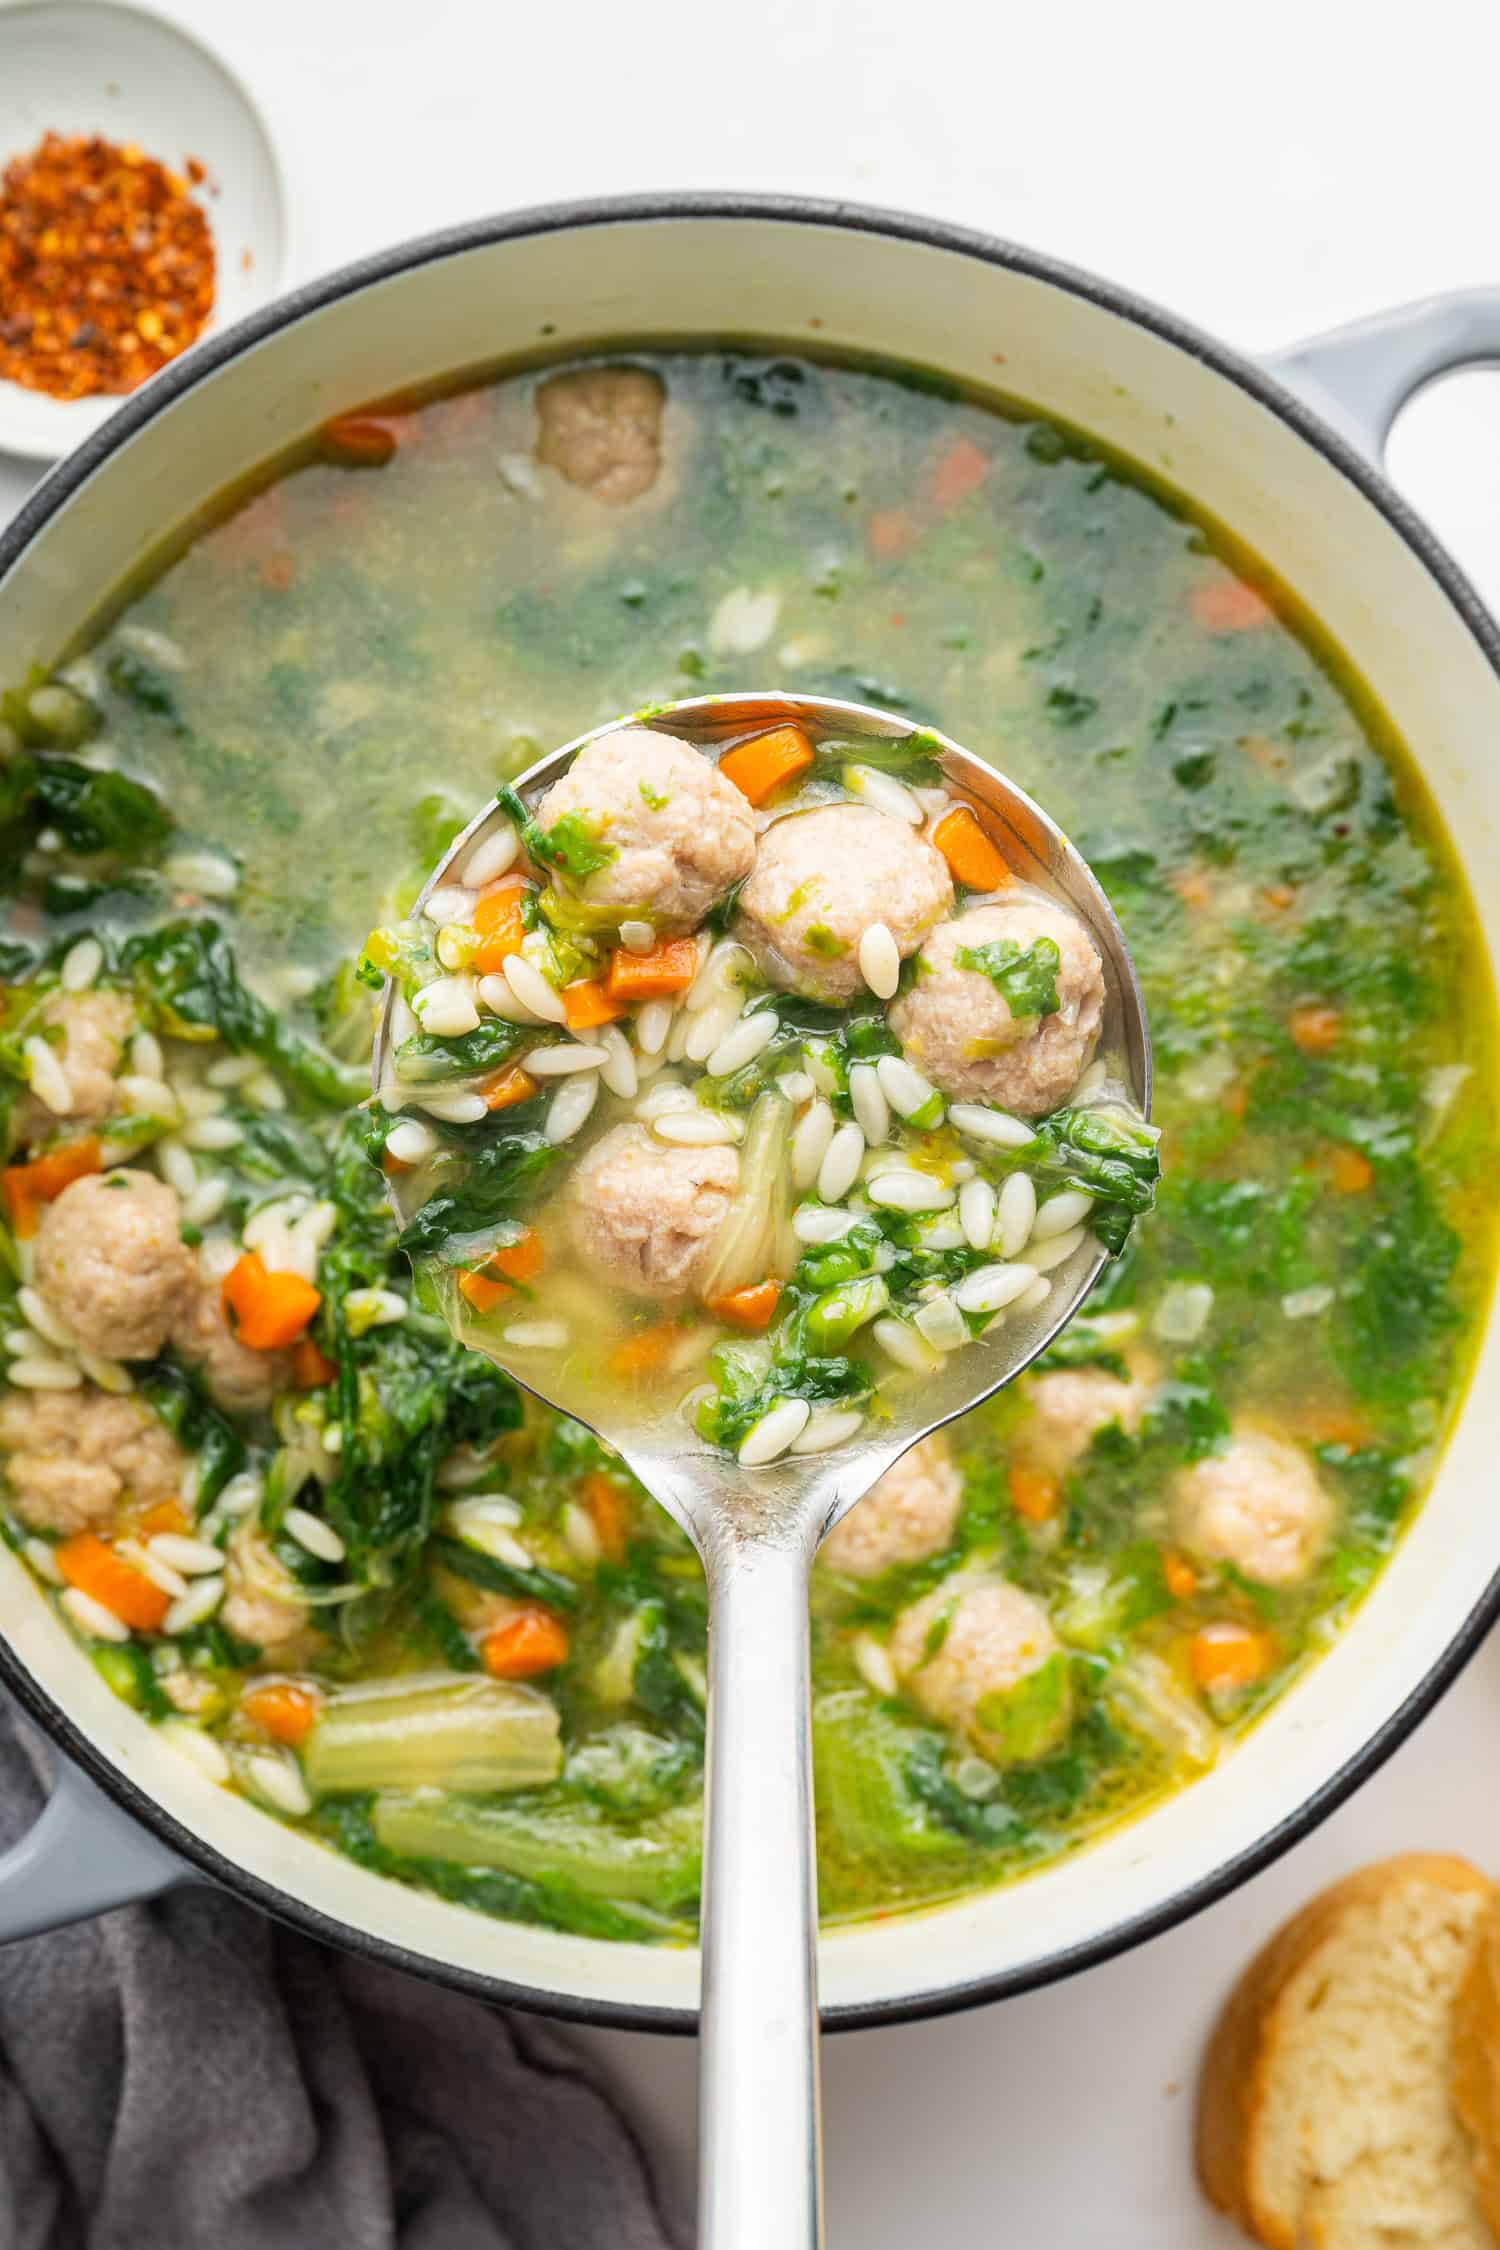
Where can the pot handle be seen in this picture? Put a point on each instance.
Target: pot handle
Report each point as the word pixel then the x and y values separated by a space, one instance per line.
pixel 83 1856
pixel 1360 377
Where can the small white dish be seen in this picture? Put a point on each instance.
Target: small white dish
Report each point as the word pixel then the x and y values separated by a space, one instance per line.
pixel 88 66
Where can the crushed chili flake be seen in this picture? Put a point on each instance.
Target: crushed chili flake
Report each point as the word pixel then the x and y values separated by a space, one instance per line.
pixel 106 267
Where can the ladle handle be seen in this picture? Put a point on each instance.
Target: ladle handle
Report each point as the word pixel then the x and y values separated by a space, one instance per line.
pixel 760 2115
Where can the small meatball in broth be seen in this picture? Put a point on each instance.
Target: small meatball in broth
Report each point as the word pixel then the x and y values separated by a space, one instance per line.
pixel 236 1378
pixel 1070 1405
pixel 643 1216
pixel 679 836
pixel 261 1602
pixel 601 428
pixel 1258 1506
pixel 112 1264
pixel 821 879
pixel 990 1639
pixel 957 1026
pixel 72 1458
pixel 907 1516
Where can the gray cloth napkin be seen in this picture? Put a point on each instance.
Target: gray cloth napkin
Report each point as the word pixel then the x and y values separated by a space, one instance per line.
pixel 190 2076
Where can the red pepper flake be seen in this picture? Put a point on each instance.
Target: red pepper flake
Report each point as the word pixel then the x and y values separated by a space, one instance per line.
pixel 106 267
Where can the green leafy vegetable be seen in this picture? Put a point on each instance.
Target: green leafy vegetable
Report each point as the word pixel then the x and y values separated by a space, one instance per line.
pixel 187 982
pixel 574 844
pixel 1025 976
pixel 197 1425
pixel 99 811
pixel 503 1175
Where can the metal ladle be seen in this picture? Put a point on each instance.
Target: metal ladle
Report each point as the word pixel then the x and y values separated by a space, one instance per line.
pixel 757 1530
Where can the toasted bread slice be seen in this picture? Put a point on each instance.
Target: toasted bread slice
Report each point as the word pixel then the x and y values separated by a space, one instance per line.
pixel 1326 2112
pixel 1476 2061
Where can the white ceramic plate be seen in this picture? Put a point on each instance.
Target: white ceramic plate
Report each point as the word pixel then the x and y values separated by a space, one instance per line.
pixel 84 66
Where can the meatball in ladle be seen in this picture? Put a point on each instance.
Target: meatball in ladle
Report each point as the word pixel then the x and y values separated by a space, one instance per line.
pixel 687 1209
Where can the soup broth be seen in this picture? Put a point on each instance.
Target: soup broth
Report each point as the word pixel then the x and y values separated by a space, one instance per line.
pixel 330 1551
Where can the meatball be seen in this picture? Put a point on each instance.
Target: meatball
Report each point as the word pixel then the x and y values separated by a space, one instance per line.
pixel 1071 1405
pixel 111 1261
pixel 238 1379
pixel 643 1215
pixel 1257 1505
pixel 601 428
pixel 679 835
pixel 907 1516
pixel 820 879
pixel 95 1027
pixel 261 1600
pixel 990 1638
pixel 73 1457
pixel 957 1025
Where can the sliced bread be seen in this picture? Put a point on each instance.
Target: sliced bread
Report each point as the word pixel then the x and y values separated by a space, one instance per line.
pixel 1476 2061
pixel 1326 2114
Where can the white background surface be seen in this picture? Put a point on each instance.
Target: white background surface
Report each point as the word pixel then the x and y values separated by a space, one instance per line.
pixel 1265 172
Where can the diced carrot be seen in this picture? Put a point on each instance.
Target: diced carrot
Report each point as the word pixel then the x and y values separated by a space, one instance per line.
pixel 311 1368
pixel 890 533
pixel 530 1641
pixel 92 1565
pixel 1228 1655
pixel 1181 1578
pixel 481 1292
pixel 1034 1494
pixel 508 1086
pixel 606 1505
pixel 588 1004
pixel 357 441
pixel 283 1709
pixel 1314 1028
pixel 1229 606
pixel 972 859
pixel 1279 896
pixel 1236 1100
pixel 1330 1425
pixel 669 967
pixel 267 1310
pixel 500 925
pixel 961 471
pixel 764 765
pixel 26 1186
pixel 162 1515
pixel 646 1352
pixel 1192 887
pixel 751 1307
pixel 1350 1170
pixel 519 1261
pixel 277 573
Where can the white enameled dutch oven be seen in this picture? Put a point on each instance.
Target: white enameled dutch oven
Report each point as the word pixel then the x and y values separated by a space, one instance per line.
pixel 1285 456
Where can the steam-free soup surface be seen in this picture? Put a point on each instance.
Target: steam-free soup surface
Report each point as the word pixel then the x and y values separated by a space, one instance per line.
pixel 327 1549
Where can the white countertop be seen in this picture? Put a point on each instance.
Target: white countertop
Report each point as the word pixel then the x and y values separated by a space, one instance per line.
pixel 1266 173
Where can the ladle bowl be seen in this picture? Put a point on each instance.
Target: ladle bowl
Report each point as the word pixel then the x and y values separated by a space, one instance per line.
pixel 757 1530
